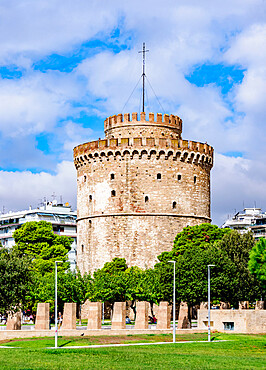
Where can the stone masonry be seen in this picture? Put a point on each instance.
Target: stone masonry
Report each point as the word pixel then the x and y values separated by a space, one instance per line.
pixel 43 316
pixel 137 189
pixel 69 316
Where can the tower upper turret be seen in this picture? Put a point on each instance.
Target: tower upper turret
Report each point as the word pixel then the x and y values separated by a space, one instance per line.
pixel 168 126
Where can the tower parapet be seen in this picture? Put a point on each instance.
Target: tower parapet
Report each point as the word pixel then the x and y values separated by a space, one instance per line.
pixel 163 126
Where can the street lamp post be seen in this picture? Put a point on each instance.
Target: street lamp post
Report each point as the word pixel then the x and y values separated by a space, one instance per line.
pixel 174 309
pixel 209 302
pixel 55 305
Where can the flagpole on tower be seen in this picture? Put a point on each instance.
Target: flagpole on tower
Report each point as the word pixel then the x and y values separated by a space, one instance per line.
pixel 143 75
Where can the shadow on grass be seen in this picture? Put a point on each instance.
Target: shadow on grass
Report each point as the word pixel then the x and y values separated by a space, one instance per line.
pixel 64 344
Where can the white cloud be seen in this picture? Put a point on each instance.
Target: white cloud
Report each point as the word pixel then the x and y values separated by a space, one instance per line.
pixel 19 190
pixel 237 182
pixel 179 35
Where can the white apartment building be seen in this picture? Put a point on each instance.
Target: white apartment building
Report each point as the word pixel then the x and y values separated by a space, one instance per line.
pixel 251 219
pixel 61 217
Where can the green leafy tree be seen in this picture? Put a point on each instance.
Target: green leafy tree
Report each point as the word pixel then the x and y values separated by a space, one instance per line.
pixel 237 247
pixel 109 283
pixel 71 287
pixel 38 241
pixel 257 262
pixel 15 279
pixel 199 235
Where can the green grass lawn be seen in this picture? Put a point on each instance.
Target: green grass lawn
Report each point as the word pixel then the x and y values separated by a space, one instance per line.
pixel 239 352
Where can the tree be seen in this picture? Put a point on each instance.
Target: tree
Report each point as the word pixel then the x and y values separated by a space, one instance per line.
pixel 196 247
pixel 244 285
pixel 109 283
pixel 257 262
pixel 15 278
pixel 199 235
pixel 191 275
pixel 71 287
pixel 37 240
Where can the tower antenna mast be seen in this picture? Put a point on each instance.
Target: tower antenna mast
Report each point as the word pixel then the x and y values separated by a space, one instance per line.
pixel 143 75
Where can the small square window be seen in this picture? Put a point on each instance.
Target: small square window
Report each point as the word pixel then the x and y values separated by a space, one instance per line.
pixel 113 193
pixel 159 176
pixel 179 177
pixel 112 176
pixel 229 325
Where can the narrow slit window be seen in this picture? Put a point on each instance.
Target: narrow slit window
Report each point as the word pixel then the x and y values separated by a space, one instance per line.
pixel 195 179
pixel 113 193
pixel 179 177
pixel 85 178
pixel 146 199
pixel 159 176
pixel 112 176
pixel 90 198
pixel 82 248
pixel 174 205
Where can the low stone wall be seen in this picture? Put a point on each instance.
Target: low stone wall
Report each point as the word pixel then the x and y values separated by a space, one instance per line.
pixel 237 321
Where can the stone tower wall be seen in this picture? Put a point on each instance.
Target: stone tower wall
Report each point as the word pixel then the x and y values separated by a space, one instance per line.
pixel 135 194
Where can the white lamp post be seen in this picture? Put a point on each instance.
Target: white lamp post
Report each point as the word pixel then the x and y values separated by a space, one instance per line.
pixel 209 302
pixel 55 305
pixel 174 328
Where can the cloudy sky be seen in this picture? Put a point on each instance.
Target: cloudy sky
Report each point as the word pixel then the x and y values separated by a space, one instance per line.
pixel 66 65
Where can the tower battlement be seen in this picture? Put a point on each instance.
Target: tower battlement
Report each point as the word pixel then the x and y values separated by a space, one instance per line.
pixel 163 125
pixel 191 150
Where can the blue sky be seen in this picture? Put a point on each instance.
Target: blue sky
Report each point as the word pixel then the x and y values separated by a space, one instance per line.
pixel 65 67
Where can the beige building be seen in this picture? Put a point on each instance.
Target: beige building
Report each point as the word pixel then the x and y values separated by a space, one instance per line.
pixel 238 321
pixel 138 188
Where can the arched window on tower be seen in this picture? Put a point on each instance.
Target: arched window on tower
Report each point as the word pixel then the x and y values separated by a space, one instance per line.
pixel 113 193
pixel 146 199
pixel 195 179
pixel 90 198
pixel 159 176
pixel 174 205
pixel 179 177
pixel 112 176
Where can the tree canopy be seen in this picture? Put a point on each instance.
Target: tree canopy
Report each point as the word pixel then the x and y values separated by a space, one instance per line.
pixel 15 279
pixel 38 241
pixel 257 262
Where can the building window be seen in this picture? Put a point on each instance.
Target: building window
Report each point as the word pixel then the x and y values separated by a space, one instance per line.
pixel 195 179
pixel 89 223
pixel 112 176
pixel 174 205
pixel 113 193
pixel 146 199
pixel 82 248
pixel 85 178
pixel 90 198
pixel 229 325
pixel 178 177
pixel 159 176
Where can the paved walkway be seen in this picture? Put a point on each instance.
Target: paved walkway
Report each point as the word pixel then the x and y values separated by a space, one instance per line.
pixel 126 344
pixel 134 344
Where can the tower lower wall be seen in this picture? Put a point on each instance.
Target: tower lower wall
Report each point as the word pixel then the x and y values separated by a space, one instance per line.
pixel 137 238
